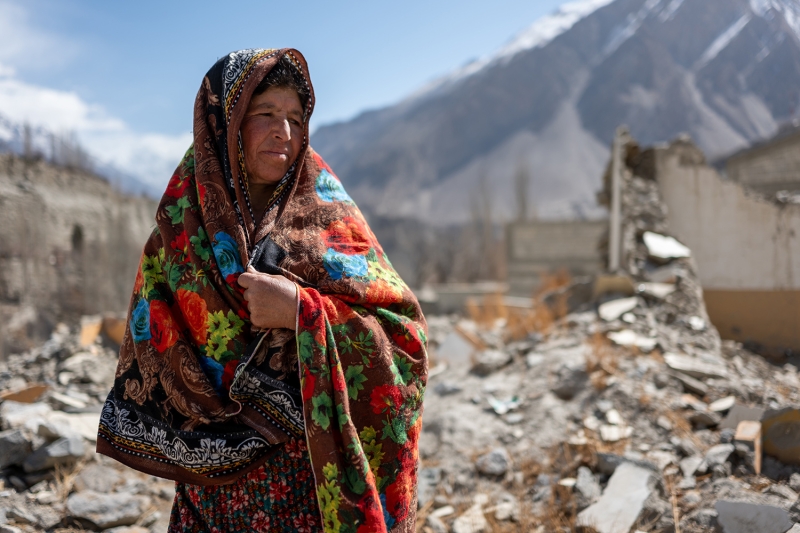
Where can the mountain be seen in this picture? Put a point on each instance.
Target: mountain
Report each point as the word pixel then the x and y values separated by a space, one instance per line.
pixel 727 72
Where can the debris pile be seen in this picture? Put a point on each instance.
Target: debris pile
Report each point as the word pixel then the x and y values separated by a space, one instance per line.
pixel 612 405
pixel 50 477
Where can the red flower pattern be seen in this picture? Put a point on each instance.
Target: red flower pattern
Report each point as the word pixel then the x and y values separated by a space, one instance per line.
pixel 195 313
pixel 385 398
pixel 164 333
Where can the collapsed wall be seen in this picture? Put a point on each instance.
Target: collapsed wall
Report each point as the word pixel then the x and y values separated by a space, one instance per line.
pixel 746 244
pixel 69 246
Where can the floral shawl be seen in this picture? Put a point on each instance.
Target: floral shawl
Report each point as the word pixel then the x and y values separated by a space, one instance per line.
pixel 200 397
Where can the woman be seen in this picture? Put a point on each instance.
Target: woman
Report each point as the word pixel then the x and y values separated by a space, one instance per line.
pixel 274 363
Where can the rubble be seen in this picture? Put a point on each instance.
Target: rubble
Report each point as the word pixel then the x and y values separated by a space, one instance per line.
pixel 745 517
pixel 50 478
pixel 620 411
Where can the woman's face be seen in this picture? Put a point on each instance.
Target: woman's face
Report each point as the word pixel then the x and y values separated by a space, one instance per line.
pixel 272 134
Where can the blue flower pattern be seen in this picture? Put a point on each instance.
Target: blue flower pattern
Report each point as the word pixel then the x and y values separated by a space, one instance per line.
pixel 330 189
pixel 140 321
pixel 338 264
pixel 226 252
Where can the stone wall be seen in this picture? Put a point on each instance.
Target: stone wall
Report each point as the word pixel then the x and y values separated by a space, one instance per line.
pixel 769 167
pixel 69 246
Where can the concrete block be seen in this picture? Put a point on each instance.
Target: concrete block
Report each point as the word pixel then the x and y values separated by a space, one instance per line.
pixel 781 433
pixel 621 503
pixel 738 413
pixel 748 432
pixel 745 517
pixel 695 367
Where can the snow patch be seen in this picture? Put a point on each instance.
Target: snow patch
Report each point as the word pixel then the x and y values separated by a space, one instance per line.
pixel 538 35
pixel 721 42
pixel 544 30
pixel 634 22
pixel 670 10
pixel 790 9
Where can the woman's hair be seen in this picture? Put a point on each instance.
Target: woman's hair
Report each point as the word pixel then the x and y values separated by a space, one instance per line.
pixel 285 74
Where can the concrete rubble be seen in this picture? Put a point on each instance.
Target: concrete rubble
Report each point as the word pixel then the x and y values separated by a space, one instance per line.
pixel 630 413
pixel 50 478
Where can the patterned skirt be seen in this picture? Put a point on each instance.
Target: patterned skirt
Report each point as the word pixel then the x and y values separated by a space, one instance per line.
pixel 276 497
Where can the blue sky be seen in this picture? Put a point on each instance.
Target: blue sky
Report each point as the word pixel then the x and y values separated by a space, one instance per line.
pixel 107 68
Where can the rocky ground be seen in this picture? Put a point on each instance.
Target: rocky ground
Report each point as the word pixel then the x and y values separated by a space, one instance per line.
pixel 50 477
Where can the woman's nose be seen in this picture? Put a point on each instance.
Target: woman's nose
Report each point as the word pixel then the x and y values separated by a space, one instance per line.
pixel 281 129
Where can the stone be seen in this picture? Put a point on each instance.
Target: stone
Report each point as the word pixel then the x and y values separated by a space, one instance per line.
pixel 64 401
pixel 17 415
pixel 569 381
pixel 664 423
pixel 435 524
pixel 784 492
pixel 695 367
pixel 101 478
pixel 621 503
pixel 704 419
pixel 61 452
pixel 494 463
pixel 628 337
pixel 748 433
pixel 726 436
pixel 738 413
pixel 795 529
pixel 587 487
pixel 745 517
pixel 657 290
pixel 717 455
pixel 506 508
pixel 691 384
pixel 689 465
pixel 89 368
pixel 472 521
pixel 27 394
pixel 607 463
pixel 455 349
pixel 5 528
pixel 781 434
pixel 664 248
pixel 534 359
pixel 489 361
pixel 706 518
pixel 128 529
pixel 794 482
pixel 611 433
pixel 723 404
pixel 614 309
pixel 107 510
pixel 446 388
pixel 14 447
pixel 428 480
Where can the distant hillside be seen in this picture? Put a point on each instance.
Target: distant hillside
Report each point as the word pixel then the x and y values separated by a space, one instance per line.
pixel 725 71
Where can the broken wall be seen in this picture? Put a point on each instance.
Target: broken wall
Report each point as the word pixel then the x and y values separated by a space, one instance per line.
pixel 69 246
pixel 747 248
pixel 538 248
pixel 769 167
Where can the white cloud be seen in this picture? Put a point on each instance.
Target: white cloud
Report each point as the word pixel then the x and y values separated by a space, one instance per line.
pixel 150 157
pixel 24 46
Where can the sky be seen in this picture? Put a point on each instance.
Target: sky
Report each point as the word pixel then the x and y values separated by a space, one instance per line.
pixel 123 75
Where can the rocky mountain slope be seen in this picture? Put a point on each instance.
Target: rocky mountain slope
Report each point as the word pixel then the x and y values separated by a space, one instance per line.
pixel 725 71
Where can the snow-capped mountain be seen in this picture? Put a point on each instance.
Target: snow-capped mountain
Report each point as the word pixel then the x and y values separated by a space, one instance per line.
pixel 725 71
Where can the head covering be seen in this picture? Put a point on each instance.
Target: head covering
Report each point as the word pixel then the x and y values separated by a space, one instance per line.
pixel 196 398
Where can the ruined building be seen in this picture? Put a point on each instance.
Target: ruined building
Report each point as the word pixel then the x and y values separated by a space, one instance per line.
pixel 69 246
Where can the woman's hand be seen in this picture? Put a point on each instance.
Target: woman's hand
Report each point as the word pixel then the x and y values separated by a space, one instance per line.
pixel 271 300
